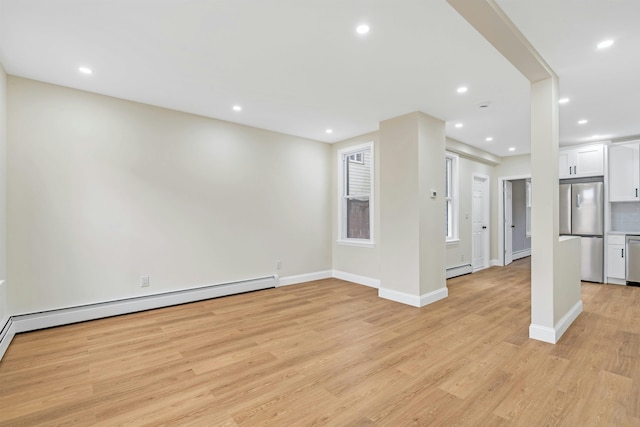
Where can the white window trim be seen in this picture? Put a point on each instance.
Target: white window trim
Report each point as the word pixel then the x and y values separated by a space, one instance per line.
pixel 342 240
pixel 454 196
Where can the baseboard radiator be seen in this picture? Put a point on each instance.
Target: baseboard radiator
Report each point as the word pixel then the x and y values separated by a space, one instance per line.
pixel 48 319
pixel 459 270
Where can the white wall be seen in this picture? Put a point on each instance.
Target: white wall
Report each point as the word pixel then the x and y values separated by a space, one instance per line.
pixel 102 191
pixel 4 314
pixel 361 261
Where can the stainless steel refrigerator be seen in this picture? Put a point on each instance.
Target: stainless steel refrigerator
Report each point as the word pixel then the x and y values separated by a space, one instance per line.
pixel 582 214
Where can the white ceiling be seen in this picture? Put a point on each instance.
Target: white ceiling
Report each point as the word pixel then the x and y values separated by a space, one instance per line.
pixel 299 67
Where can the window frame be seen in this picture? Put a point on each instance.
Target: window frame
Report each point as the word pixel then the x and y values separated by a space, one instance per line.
pixel 344 156
pixel 451 197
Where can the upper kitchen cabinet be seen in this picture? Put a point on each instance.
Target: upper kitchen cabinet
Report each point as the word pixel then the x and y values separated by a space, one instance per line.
pixel 624 172
pixel 582 161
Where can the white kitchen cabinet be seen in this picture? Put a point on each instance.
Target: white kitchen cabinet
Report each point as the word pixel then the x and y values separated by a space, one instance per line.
pixel 624 172
pixel 582 161
pixel 615 258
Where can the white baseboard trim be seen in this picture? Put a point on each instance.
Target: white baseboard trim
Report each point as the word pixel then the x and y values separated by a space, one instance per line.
pixel 614 281
pixel 495 263
pixel 521 254
pixel 459 270
pixel 553 335
pixel 413 300
pixel 302 278
pixel 434 296
pixel 354 278
pixel 6 336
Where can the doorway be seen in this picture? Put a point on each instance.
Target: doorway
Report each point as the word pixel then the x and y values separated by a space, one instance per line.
pixel 514 218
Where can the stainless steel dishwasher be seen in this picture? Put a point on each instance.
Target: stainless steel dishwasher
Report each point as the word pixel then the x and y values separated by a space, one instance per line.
pixel 633 260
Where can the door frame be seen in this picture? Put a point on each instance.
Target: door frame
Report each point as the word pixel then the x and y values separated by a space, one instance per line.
pixel 487 215
pixel 501 181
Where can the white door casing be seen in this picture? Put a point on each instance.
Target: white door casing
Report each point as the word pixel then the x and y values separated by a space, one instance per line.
pixel 480 222
pixel 508 223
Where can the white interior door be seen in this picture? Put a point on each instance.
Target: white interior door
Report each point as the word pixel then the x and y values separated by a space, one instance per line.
pixel 480 222
pixel 508 223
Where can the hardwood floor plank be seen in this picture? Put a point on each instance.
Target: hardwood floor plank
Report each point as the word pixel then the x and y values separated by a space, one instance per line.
pixel 332 353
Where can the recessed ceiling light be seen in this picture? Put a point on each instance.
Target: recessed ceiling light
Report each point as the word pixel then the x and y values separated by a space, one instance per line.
pixel 512 148
pixel 237 108
pixel 605 44
pixel 329 131
pixel 489 139
pixel 362 29
pixel 459 125
pixel 85 70
pixel 462 89
pixel 563 100
pixel 583 121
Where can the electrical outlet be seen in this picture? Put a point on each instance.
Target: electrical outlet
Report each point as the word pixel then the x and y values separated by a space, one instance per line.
pixel 278 265
pixel 144 281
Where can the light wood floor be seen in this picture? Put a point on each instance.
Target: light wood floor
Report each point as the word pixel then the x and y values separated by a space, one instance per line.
pixel 333 353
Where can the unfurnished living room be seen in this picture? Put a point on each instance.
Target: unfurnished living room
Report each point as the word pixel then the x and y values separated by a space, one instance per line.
pixel 235 213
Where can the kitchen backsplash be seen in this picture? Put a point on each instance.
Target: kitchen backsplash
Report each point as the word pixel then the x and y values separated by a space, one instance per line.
pixel 625 216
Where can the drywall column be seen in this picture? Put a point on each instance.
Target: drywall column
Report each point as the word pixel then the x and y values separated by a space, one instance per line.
pixel 555 264
pixel 412 238
pixel 544 200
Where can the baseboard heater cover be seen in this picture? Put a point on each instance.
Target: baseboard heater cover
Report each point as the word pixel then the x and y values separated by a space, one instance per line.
pixel 459 271
pixel 65 316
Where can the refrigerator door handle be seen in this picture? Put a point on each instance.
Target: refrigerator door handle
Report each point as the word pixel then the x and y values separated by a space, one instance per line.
pixel 578 200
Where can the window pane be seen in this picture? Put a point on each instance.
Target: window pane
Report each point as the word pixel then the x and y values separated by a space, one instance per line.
pixel 447 183
pixel 358 219
pixel 358 174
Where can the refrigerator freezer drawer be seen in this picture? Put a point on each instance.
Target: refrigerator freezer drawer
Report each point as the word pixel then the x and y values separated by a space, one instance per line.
pixel 592 259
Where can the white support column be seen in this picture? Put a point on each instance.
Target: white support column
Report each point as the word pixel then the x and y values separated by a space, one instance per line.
pixel 412 252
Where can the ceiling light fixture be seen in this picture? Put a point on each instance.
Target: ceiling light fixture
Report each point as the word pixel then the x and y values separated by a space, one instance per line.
pixel 605 44
pixel 489 139
pixel 563 100
pixel 329 131
pixel 237 108
pixel 512 148
pixel 583 121
pixel 362 29
pixel 459 125
pixel 462 89
pixel 85 70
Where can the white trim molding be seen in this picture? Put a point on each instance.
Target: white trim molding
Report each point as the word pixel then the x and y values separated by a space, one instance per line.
pixel 354 278
pixel 553 335
pixel 302 278
pixel 414 300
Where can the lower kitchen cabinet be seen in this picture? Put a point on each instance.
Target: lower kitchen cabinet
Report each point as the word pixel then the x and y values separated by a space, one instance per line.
pixel 615 257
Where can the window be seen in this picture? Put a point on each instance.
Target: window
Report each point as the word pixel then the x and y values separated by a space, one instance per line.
pixel 451 194
pixel 355 207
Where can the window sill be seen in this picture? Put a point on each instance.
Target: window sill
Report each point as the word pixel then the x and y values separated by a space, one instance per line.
pixel 453 241
pixel 358 243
